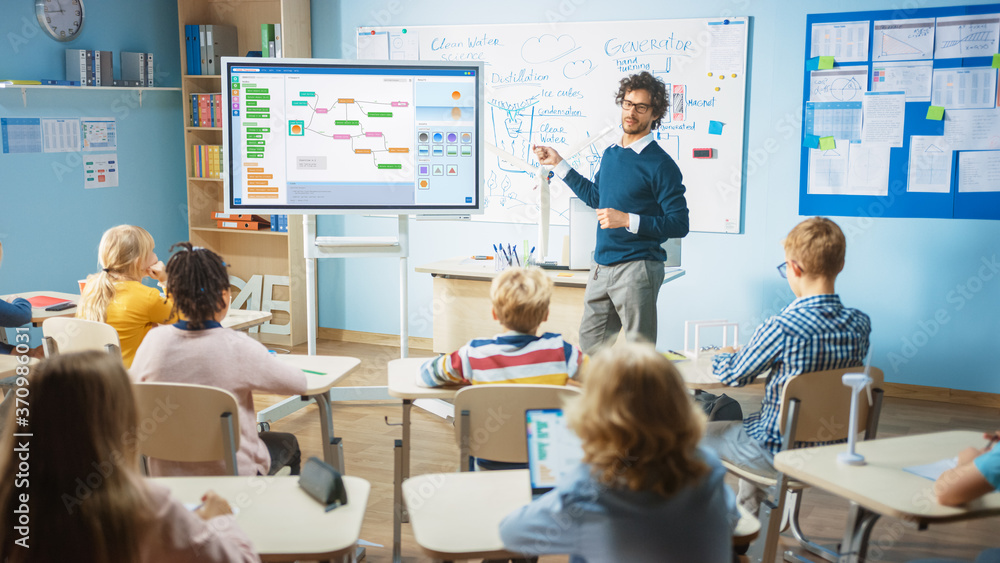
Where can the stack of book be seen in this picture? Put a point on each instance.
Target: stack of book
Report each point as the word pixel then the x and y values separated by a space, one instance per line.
pixel 206 161
pixel 206 45
pixel 206 110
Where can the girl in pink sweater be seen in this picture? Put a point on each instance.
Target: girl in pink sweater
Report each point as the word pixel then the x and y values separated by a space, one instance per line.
pixel 71 475
pixel 198 350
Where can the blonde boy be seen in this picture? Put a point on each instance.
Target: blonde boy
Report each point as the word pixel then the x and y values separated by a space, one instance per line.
pixel 520 298
pixel 814 332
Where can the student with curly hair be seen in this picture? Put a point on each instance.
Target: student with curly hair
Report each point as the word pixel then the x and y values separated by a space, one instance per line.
pixel 640 203
pixel 85 493
pixel 198 350
pixel 645 491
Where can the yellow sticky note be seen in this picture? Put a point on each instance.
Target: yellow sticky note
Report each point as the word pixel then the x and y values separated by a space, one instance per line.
pixel 996 60
pixel 935 112
pixel 827 143
pixel 825 63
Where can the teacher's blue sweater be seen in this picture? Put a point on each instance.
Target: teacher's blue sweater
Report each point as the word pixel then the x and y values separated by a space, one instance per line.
pixel 647 184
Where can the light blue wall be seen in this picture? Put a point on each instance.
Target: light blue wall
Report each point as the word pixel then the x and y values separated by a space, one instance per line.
pixel 50 226
pixel 902 272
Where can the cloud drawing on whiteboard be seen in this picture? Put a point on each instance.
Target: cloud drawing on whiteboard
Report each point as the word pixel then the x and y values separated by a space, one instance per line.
pixel 547 48
pixel 576 69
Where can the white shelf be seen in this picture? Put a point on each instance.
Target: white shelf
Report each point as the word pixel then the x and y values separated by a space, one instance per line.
pixel 25 87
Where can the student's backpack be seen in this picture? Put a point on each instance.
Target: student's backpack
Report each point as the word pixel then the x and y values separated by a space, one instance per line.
pixel 718 407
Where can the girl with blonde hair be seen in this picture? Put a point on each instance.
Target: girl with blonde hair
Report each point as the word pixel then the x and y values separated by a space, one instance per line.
pixel 116 295
pixel 644 491
pixel 82 490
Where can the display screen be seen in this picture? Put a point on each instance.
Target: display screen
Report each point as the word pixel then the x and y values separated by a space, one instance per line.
pixel 327 136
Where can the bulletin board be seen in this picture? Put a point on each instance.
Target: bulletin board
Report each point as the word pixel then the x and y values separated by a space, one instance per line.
pixel 943 168
pixel 555 85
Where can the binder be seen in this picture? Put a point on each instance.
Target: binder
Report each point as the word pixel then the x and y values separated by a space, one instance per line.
pixel 224 44
pixel 132 68
pixel 196 47
pixel 203 50
pixel 76 66
pixel 106 76
pixel 240 225
pixel 219 215
pixel 149 69
pixel 277 40
pixel 267 39
pixel 97 67
pixel 187 49
pixel 209 50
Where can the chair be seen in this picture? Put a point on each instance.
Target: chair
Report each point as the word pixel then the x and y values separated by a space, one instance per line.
pixel 490 424
pixel 815 407
pixel 61 335
pixel 192 423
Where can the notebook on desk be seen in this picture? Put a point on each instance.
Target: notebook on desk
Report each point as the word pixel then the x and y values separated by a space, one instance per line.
pixel 553 449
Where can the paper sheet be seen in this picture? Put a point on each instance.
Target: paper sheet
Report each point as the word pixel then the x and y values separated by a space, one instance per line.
pixel 868 170
pixel 373 46
pixel 61 135
pixel 933 470
pixel 844 41
pixel 883 118
pixel 979 171
pixel 964 88
pixel 903 40
pixel 100 171
pixel 930 165
pixel 841 120
pixel 21 134
pixel 99 134
pixel 974 129
pixel 828 170
pixel 845 84
pixel 913 78
pixel 726 51
pixel 966 36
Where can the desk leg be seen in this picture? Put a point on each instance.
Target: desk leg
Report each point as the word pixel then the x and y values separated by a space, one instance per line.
pixel 333 448
pixel 397 502
pixel 854 547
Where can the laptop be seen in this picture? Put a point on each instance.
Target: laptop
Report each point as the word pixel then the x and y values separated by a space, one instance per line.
pixel 553 449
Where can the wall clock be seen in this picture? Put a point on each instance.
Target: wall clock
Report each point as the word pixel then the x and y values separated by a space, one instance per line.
pixel 61 19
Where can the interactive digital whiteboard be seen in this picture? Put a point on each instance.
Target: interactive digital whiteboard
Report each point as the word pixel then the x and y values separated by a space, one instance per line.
pixel 554 84
pixel 327 136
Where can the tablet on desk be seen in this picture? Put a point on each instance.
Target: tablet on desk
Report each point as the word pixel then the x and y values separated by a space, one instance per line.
pixel 45 301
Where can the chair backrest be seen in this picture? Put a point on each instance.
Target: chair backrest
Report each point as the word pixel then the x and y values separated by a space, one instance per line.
pixel 824 405
pixel 187 422
pixel 62 335
pixel 494 427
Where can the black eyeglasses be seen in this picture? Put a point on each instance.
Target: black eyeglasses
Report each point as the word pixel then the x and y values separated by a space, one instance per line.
pixel 639 108
pixel 783 268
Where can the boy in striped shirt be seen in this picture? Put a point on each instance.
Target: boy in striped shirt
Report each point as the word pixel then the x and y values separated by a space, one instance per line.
pixel 520 298
pixel 815 332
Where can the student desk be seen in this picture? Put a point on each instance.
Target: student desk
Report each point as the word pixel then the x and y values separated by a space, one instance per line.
pixel 242 319
pixel 462 301
pixel 458 515
pixel 331 369
pixel 283 522
pixel 39 314
pixel 882 488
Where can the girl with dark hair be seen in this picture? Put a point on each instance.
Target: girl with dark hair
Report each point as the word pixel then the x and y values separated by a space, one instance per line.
pixel 198 350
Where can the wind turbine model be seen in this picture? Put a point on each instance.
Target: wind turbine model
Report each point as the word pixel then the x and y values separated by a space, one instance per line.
pixel 542 173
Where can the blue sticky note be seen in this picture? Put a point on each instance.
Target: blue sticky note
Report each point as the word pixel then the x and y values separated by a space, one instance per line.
pixel 811 141
pixel 812 64
pixel 715 127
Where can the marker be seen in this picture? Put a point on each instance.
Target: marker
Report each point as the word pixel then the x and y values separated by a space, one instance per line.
pixel 482 257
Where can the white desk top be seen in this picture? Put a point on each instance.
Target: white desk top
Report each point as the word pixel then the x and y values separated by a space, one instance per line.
pixel 39 314
pixel 465 267
pixel 881 485
pixel 9 363
pixel 457 515
pixel 283 521
pixel 403 378
pixel 332 369
pixel 241 319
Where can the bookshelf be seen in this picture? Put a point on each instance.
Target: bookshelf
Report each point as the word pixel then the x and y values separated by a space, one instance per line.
pixel 248 253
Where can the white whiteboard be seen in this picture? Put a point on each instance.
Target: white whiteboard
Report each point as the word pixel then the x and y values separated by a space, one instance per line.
pixel 555 85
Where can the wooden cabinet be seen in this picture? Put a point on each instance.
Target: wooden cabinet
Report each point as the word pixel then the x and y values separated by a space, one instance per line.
pixel 248 253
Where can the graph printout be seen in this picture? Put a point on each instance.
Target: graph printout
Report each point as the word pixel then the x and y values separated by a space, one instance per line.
pixel 903 40
pixel 966 36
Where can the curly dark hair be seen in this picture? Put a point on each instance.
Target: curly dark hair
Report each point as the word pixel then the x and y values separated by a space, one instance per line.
pixel 657 93
pixel 196 278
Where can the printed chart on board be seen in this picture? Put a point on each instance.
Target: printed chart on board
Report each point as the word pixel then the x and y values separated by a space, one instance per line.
pixel 555 86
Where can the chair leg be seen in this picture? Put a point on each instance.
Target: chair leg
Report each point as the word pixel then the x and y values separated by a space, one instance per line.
pixel 765 548
pixel 812 547
pixel 464 454
pixel 397 504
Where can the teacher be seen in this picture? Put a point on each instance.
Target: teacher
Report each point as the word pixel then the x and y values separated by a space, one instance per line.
pixel 640 203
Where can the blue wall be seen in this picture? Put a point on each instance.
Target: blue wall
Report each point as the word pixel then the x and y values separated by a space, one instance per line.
pixel 50 226
pixel 928 285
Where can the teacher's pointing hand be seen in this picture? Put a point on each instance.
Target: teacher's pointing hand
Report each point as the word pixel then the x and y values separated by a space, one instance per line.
pixel 612 218
pixel 547 155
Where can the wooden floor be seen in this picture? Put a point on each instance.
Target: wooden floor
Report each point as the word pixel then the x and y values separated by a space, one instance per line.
pixel 368 444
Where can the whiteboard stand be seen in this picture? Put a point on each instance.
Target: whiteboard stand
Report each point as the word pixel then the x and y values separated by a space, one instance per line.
pixel 317 247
